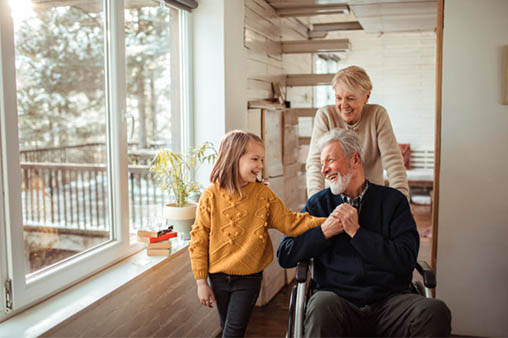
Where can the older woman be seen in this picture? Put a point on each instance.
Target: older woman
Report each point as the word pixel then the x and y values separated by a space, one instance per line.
pixel 352 88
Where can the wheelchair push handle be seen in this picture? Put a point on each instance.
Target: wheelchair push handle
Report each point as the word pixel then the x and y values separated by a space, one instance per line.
pixel 302 269
pixel 429 277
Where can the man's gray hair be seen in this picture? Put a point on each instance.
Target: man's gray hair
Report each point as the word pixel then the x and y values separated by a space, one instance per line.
pixel 348 139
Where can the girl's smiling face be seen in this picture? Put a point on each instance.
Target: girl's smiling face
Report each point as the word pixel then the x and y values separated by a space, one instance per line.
pixel 251 163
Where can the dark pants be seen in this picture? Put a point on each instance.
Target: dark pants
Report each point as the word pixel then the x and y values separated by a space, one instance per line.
pixel 403 315
pixel 236 297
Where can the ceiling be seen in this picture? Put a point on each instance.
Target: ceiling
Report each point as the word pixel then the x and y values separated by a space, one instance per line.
pixel 375 16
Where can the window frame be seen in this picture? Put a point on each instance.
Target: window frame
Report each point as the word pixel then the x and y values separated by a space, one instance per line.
pixel 26 292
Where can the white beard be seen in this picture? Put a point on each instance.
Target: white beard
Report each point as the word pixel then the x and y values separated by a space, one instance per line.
pixel 340 184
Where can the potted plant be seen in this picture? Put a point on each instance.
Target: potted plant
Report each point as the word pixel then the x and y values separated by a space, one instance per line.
pixel 174 173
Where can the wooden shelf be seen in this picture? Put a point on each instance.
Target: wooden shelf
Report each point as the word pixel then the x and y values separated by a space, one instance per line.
pixel 312 10
pixel 296 80
pixel 315 46
pixel 336 26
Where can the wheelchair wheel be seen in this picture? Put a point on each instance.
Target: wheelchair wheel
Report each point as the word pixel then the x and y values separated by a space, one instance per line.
pixel 291 319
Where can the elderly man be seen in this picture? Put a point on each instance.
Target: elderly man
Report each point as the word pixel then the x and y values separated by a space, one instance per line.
pixel 363 264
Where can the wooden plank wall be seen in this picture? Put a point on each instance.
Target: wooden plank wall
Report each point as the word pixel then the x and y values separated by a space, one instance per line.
pixel 263 33
pixel 265 64
pixel 161 302
pixel 262 41
pixel 402 68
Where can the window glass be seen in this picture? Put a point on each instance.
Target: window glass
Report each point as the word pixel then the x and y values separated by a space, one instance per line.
pixel 153 101
pixel 323 64
pixel 65 204
pixel 62 128
pixel 320 92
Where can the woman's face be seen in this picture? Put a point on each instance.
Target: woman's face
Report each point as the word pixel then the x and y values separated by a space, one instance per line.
pixel 251 163
pixel 349 104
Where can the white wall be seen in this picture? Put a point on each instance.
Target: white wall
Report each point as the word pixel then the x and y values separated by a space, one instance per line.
pixel 219 80
pixel 472 256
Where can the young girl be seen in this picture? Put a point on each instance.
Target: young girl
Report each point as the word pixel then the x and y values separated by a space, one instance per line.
pixel 229 241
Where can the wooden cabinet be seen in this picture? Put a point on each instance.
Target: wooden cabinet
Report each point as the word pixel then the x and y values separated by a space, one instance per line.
pixel 279 130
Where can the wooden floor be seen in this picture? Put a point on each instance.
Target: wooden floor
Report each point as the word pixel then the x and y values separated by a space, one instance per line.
pixel 271 320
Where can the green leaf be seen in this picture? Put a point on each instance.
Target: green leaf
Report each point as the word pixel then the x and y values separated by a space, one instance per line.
pixel 174 171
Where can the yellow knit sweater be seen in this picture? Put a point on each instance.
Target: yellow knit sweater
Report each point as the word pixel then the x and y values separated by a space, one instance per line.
pixel 230 234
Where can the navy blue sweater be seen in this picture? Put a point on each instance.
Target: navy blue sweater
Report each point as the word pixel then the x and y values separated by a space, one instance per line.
pixel 376 263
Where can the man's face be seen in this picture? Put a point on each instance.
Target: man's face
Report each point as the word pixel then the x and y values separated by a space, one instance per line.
pixel 335 167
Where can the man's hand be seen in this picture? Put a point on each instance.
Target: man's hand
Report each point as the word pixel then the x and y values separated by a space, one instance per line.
pixel 348 216
pixel 205 293
pixel 332 226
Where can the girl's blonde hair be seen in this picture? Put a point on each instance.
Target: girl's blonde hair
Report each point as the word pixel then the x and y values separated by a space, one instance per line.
pixel 225 171
pixel 354 79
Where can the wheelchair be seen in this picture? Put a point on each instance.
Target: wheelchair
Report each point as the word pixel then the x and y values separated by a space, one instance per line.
pixel 302 291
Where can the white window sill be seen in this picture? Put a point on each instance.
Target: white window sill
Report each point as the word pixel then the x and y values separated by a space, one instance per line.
pixel 42 317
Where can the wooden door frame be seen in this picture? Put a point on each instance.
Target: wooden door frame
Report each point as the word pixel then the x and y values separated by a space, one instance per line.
pixel 437 135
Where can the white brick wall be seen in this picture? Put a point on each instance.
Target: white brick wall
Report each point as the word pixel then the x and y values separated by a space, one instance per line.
pixel 402 70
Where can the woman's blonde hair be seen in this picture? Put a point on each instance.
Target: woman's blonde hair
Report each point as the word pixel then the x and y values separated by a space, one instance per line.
pixel 354 79
pixel 225 171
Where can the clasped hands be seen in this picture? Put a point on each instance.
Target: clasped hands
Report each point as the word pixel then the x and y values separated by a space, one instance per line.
pixel 343 219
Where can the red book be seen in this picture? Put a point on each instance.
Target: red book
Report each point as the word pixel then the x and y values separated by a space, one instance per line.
pixel 164 237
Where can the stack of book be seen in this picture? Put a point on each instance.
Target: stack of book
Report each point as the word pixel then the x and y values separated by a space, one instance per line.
pixel 158 241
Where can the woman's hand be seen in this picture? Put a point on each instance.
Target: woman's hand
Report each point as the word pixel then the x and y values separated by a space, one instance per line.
pixel 205 293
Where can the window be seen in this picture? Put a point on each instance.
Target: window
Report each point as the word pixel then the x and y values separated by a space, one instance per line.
pixel 85 103
pixel 325 64
pixel 62 132
pixel 153 100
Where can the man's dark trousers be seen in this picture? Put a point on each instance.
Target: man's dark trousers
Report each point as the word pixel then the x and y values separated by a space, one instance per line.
pixel 402 315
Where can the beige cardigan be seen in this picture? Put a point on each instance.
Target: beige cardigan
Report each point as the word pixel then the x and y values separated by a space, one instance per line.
pixel 380 148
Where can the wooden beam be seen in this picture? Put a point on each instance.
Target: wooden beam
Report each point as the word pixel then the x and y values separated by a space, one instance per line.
pixel 437 133
pixel 312 10
pixel 315 46
pixel 296 80
pixel 336 26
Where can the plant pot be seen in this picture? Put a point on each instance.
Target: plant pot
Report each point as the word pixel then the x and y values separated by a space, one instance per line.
pixel 181 218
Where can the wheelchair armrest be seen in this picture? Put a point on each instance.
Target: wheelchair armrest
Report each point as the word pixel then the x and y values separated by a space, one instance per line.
pixel 429 277
pixel 301 271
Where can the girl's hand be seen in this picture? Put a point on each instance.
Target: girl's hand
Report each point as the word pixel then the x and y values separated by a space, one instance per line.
pixel 332 225
pixel 205 293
